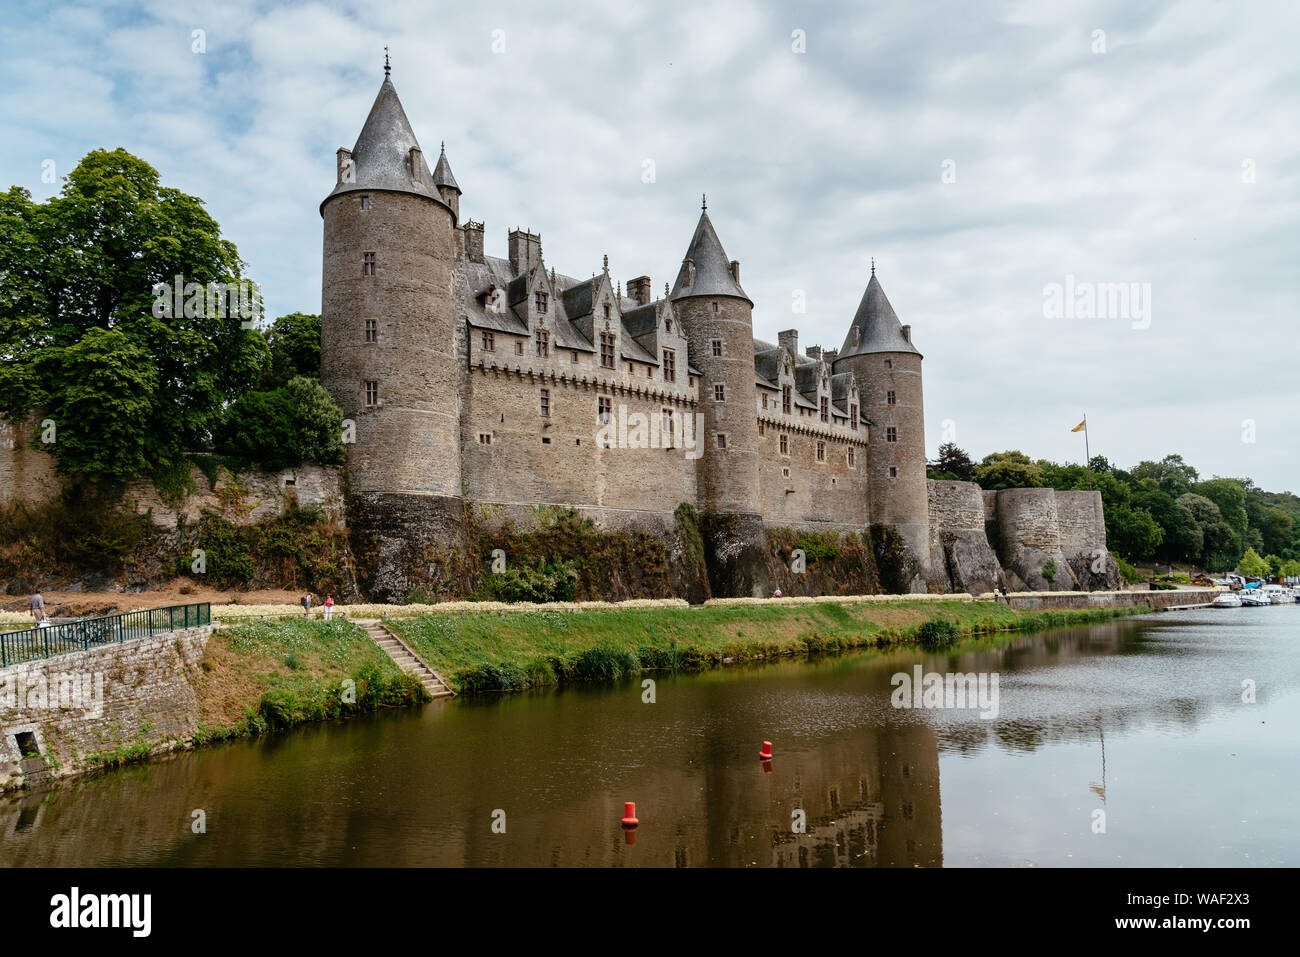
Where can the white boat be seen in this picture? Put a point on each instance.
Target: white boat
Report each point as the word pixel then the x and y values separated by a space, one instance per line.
pixel 1227 599
pixel 1278 594
pixel 1254 596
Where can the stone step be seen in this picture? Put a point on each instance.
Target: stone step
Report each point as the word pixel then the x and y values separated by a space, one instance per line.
pixel 407 661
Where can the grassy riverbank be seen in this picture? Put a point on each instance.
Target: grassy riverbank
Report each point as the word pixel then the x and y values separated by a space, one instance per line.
pixel 276 674
pixel 514 651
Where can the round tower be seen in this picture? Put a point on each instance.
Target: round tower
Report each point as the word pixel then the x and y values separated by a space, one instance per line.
pixel 879 350
pixel 716 316
pixel 387 322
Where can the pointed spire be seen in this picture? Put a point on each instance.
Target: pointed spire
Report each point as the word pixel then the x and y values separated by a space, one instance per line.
pixel 442 171
pixel 712 268
pixel 875 327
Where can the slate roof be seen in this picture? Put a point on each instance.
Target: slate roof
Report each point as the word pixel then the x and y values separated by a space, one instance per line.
pixel 380 154
pixel 875 327
pixel 712 267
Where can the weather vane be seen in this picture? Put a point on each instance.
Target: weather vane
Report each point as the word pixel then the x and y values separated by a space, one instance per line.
pixel 387 68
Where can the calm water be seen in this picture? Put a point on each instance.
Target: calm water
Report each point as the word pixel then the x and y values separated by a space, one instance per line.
pixel 1142 719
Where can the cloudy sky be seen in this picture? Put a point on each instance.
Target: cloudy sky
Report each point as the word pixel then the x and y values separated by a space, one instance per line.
pixel 980 152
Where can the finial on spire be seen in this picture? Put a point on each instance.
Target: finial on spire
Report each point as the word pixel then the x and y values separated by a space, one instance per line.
pixel 387 66
pixel 606 262
pixel 704 201
pixel 873 265
pixel 444 147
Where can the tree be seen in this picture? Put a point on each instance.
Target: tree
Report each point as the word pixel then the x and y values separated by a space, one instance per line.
pixel 1174 476
pixel 1251 565
pixel 1220 546
pixel 1011 469
pixel 954 461
pixel 1131 532
pixel 294 342
pixel 1291 568
pixel 77 295
pixel 1230 495
pixel 281 428
pixel 1178 542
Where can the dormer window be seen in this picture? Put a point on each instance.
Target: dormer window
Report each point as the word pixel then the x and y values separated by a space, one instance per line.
pixel 668 325
pixel 826 409
pixel 540 300
pixel 543 343
pixel 606 310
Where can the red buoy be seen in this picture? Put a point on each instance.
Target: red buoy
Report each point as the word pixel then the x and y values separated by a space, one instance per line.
pixel 629 814
pixel 766 753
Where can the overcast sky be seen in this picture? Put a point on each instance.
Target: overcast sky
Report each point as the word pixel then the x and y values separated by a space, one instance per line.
pixel 979 151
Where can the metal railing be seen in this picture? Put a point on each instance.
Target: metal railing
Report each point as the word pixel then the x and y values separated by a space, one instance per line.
pixel 66 637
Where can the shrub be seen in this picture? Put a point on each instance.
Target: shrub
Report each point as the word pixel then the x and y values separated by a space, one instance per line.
pixel 1049 569
pixel 937 634
pixel 604 663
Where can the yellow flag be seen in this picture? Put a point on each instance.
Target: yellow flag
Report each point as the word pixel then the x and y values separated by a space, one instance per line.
pixel 1081 427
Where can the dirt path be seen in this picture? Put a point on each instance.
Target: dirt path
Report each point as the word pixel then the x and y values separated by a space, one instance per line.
pixel 68 603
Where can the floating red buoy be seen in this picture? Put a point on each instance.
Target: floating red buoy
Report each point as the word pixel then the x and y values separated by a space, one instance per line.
pixel 629 814
pixel 766 753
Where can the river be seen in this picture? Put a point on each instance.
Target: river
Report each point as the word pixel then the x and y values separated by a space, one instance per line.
pixel 1121 744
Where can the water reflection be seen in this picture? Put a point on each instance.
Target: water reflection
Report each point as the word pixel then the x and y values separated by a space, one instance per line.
pixel 1122 716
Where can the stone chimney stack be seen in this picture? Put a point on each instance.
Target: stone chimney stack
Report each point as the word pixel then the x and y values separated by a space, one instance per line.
pixel 639 289
pixel 735 270
pixel 789 340
pixel 907 333
pixel 525 250
pixel 473 233
pixel 344 164
pixel 814 352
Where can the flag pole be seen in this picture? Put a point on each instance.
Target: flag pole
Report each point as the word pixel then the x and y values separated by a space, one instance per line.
pixel 1087 453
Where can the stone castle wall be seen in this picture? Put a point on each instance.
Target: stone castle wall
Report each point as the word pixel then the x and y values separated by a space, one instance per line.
pixel 27 471
pixel 137 691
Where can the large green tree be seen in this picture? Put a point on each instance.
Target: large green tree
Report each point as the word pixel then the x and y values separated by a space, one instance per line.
pixel 84 336
pixel 294 341
pixel 1011 469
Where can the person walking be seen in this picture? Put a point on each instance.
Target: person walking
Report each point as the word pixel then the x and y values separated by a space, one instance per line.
pixel 329 607
pixel 306 604
pixel 37 608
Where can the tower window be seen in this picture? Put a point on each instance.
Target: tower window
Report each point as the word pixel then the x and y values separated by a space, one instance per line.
pixel 891 434
pixel 851 457
pixel 821 451
pixel 715 307
pixel 543 343
pixel 891 398
pixel 785 399
pixel 540 300
pixel 546 402
pixel 889 363
pixel 649 372
pixel 722 440
pixel 365 202
pixel 372 330
pixel 367 264
pixel 484 438
pixel 785 445
pixel 519 347
pixel 372 392
pixel 826 409
pixel 604 409
pixel 670 365
pixel 717 347
pixel 489 342
pixel 853 416
pixel 573 356
pixel 606 350
pixel 719 392
pixel 893 472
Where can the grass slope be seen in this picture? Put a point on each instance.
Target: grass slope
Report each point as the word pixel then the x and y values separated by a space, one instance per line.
pixel 513 651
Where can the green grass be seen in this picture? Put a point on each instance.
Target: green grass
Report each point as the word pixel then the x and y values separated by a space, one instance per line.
pixel 512 652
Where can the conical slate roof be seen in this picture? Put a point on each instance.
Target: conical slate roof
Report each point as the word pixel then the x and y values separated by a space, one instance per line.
pixel 442 173
pixel 380 154
pixel 875 327
pixel 712 267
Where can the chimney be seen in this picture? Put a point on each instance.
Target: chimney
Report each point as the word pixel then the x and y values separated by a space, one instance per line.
pixel 907 333
pixel 525 250
pixel 830 355
pixel 639 289
pixel 473 233
pixel 789 340
pixel 814 352
pixel 735 270
pixel 413 162
pixel 346 171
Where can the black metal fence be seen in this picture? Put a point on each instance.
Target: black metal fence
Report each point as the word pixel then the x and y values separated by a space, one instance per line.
pixel 60 639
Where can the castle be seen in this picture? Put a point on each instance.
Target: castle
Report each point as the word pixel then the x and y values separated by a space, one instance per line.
pixel 470 380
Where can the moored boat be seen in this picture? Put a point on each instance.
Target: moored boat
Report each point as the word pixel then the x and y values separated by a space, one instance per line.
pixel 1226 599
pixel 1255 597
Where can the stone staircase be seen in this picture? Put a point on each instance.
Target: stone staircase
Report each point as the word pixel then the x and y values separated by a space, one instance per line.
pixel 406 658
